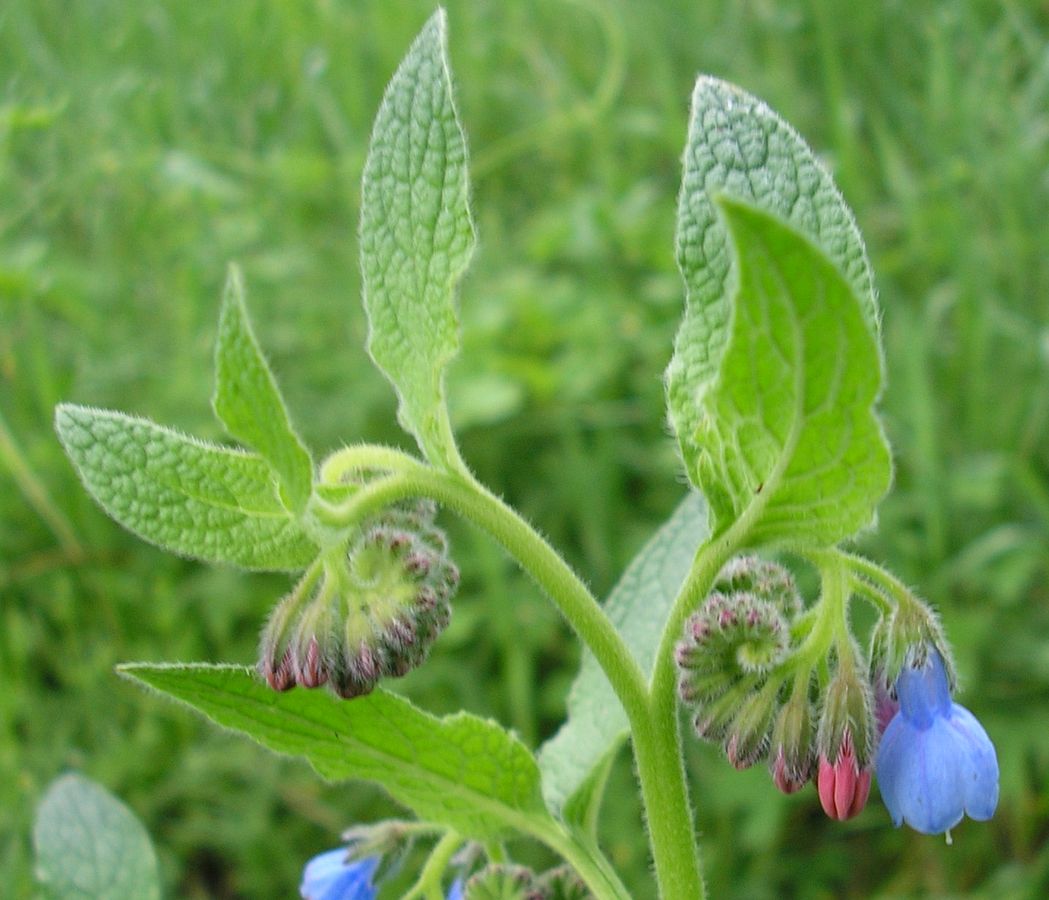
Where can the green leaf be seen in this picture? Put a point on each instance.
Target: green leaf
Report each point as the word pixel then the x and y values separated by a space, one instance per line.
pixel 638 606
pixel 417 237
pixel 90 846
pixel 461 771
pixel 737 145
pixel 790 439
pixel 248 402
pixel 196 499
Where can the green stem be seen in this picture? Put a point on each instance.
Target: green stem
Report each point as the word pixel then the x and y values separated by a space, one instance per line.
pixel 364 457
pixel 465 496
pixel 657 743
pixel 590 864
pixel 428 885
pixel 872 572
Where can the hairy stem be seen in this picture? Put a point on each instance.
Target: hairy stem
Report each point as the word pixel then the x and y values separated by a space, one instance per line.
pixel 428 884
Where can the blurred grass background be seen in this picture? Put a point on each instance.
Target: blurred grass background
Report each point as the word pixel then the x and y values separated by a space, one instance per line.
pixel 144 145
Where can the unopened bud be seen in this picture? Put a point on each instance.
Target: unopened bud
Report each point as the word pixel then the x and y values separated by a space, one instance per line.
pixel 764 579
pixel 563 883
pixel 843 784
pixel 503 882
pixel 791 750
pixel 371 615
pixel 748 735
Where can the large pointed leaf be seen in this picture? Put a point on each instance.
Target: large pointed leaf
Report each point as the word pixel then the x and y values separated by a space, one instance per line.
pixel 417 236
pixel 197 499
pixel 461 771
pixel 737 145
pixel 789 441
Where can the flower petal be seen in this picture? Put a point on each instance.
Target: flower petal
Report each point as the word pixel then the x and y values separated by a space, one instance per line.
pixel 924 692
pixel 979 773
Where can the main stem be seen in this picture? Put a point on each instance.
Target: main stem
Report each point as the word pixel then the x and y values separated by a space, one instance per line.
pixel 657 745
pixel 652 713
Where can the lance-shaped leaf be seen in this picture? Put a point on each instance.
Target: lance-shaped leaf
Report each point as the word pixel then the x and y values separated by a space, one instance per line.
pixel 638 606
pixel 789 438
pixel 184 495
pixel 90 845
pixel 461 771
pixel 417 237
pixel 737 145
pixel 248 402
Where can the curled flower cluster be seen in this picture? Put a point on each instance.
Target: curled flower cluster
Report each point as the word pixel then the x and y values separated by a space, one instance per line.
pixel 838 722
pixel 732 645
pixel 372 613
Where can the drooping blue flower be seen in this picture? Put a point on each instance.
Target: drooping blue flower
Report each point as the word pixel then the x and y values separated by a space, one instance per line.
pixel 330 876
pixel 935 761
pixel 455 892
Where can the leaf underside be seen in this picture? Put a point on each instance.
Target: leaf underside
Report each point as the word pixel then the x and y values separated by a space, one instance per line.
pixel 638 606
pixel 90 846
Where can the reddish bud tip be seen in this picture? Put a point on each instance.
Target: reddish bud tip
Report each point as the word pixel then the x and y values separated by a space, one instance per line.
pixel 843 787
pixel 783 778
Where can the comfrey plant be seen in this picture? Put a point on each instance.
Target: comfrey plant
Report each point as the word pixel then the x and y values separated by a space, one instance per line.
pixel 771 391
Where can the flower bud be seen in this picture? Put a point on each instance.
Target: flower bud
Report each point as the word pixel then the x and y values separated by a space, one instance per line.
pixel 732 634
pixel 764 579
pixel 843 785
pixel 791 752
pixel 371 614
pixel 563 883
pixel 845 743
pixel 503 882
pixel 906 638
pixel 748 735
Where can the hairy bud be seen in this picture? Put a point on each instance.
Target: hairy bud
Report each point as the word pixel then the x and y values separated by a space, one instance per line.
pixel 791 755
pixel 563 883
pixel 373 613
pixel 503 882
pixel 764 579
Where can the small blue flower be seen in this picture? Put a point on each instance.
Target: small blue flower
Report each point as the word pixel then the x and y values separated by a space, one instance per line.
pixel 456 890
pixel 935 762
pixel 330 876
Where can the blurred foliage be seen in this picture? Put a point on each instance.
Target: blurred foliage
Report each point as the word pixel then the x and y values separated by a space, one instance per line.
pixel 144 145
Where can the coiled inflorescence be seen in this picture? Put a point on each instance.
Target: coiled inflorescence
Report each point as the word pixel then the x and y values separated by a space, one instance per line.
pixel 372 612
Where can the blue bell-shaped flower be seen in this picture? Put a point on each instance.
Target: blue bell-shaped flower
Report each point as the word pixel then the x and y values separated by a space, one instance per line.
pixel 935 762
pixel 333 876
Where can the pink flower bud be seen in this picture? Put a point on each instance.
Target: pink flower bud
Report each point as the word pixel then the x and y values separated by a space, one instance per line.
pixel 843 786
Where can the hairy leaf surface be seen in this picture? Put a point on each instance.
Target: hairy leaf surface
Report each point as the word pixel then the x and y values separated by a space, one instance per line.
pixel 196 499
pixel 248 402
pixel 461 771
pixel 737 145
pixel 789 437
pixel 417 236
